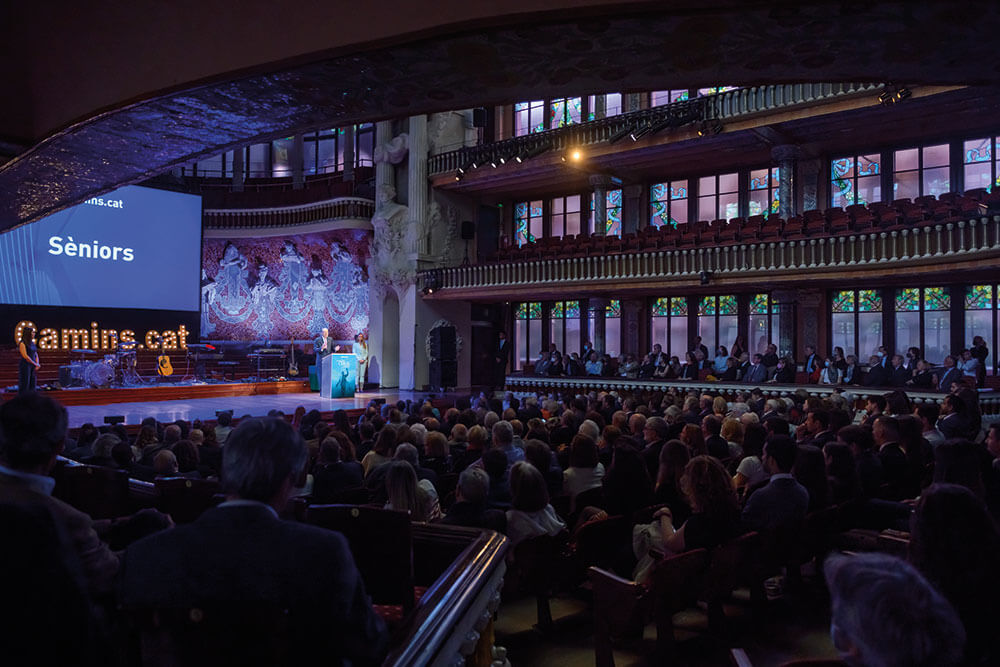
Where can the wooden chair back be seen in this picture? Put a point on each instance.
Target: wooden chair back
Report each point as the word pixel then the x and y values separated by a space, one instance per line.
pixel 185 499
pixel 100 492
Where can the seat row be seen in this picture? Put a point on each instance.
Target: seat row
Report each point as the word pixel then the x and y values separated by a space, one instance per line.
pixel 855 219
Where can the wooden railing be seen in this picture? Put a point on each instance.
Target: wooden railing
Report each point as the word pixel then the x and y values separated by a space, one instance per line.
pixel 340 208
pixel 989 401
pixel 721 106
pixel 919 244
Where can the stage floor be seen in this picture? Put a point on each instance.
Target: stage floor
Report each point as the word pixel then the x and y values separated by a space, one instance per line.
pixel 205 408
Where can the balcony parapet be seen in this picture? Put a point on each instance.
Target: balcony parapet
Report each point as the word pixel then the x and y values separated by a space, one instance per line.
pixel 721 106
pixel 339 208
pixel 919 245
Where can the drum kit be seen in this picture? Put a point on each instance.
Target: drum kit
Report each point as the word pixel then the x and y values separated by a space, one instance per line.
pixel 104 372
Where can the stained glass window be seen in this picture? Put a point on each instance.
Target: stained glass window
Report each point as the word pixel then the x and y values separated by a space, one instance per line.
pixel 668 203
pixel 522 311
pixel 758 304
pixel 869 301
pixel 565 111
pixel 718 197
pixel 979 297
pixel 660 97
pixel 908 299
pixel 936 298
pixel 529 117
pixel 765 324
pixel 843 302
pixel 856 319
pixel 527 222
pixel 764 191
pixel 564 325
pixel 564 218
pixel 706 306
pixel 669 325
pixel 979 157
pixel 614 208
pixel 727 305
pixel 921 171
pixel 714 90
pixel 855 180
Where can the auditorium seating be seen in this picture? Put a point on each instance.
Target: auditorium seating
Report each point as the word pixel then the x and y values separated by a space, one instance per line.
pixel 897 215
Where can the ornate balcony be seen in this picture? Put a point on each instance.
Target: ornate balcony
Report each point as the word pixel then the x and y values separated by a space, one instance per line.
pixel 339 208
pixel 947 245
pixel 729 105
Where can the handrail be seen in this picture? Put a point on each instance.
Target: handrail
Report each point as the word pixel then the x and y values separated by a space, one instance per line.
pixel 926 241
pixel 719 106
pixel 338 208
pixel 447 623
pixel 989 400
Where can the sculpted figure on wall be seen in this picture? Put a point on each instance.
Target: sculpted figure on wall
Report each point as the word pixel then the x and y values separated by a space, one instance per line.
pixel 394 150
pixel 389 246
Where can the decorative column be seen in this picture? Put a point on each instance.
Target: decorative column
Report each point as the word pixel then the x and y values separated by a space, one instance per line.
pixel 239 170
pixel 348 140
pixel 297 160
pixel 785 157
pixel 412 359
pixel 601 183
pixel 632 334
pixel 384 173
pixel 809 184
pixel 631 209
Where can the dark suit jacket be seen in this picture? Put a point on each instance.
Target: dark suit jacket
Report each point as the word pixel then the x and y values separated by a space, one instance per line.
pixel 876 377
pixel 781 503
pixel 689 372
pixel 785 375
pixel 894 468
pixel 717 447
pixel 946 378
pixel 756 374
pixel 331 478
pixel 953 426
pixel 246 554
pixel 899 376
pixel 850 375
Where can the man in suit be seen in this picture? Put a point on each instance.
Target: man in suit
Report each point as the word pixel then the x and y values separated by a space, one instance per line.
pixel 898 375
pixel 757 373
pixel 322 346
pixel 715 444
pixel 895 471
pixel 851 375
pixel 782 502
pixel 501 359
pixel 815 430
pixel 877 376
pixel 948 374
pixel 704 350
pixel 654 436
pixel 812 364
pixel 241 553
pixel 952 422
pixel 658 356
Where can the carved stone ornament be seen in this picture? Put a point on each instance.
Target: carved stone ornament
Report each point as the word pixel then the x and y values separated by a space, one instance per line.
pixel 394 150
pixel 438 230
pixel 442 324
pixel 388 248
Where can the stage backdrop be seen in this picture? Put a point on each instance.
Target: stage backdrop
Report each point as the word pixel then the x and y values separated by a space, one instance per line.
pixel 285 287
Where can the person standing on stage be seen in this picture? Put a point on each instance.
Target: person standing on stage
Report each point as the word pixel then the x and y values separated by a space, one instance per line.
pixel 360 349
pixel 322 346
pixel 27 370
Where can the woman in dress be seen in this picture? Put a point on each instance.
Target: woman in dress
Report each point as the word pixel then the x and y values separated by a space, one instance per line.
pixel 27 370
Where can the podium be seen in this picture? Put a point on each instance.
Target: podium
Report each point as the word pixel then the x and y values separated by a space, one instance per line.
pixel 338 376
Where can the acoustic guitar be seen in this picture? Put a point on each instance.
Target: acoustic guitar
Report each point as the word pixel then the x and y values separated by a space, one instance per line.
pixel 163 367
pixel 293 365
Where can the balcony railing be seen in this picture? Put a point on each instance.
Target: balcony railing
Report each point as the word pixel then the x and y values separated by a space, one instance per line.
pixel 916 245
pixel 721 106
pixel 989 401
pixel 341 208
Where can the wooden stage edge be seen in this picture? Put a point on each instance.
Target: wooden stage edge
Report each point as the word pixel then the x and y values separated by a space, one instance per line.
pixel 171 392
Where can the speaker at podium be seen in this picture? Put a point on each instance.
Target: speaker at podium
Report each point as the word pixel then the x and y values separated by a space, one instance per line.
pixel 338 376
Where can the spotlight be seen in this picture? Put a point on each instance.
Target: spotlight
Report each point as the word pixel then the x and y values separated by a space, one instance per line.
pixel 474 165
pixel 502 160
pixel 709 127
pixel 538 150
pixel 459 174
pixel 493 162
pixel 518 159
pixel 634 135
pixel 902 93
pixel 461 171
pixel 886 98
pixel 620 134
pixel 572 155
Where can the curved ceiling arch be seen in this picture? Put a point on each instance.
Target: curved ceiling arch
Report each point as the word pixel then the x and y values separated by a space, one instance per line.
pixel 638 49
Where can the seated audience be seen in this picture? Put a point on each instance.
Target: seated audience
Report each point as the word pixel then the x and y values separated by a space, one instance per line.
pixel 674 457
pixel 751 473
pixel 626 485
pixel 531 515
pixel 241 551
pixel 405 493
pixel 841 473
pixel 102 448
pixel 385 445
pixel 782 502
pixel 810 471
pixel 886 614
pixel 469 508
pixel 954 542
pixel 332 476
pixel 585 471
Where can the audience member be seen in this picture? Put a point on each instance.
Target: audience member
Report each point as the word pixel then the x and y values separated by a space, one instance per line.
pixel 531 515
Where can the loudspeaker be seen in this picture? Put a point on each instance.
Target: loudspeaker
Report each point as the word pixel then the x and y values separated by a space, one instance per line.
pixel 443 343
pixel 443 373
pixel 468 230
pixel 479 117
pixel 65 376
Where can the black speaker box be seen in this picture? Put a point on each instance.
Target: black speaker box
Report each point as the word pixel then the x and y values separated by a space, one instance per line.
pixel 468 230
pixel 443 373
pixel 479 117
